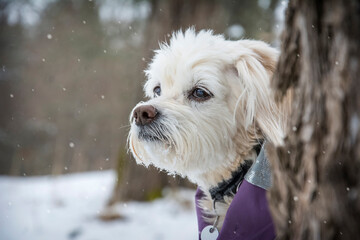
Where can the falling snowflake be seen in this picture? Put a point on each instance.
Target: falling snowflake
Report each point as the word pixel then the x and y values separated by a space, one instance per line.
pixel 49 36
pixel 71 144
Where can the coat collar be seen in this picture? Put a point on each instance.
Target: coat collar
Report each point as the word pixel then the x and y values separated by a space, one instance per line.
pixel 229 187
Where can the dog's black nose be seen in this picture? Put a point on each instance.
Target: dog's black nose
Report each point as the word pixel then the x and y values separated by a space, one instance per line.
pixel 144 114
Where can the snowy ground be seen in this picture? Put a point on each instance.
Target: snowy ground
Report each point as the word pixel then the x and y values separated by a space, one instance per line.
pixel 67 207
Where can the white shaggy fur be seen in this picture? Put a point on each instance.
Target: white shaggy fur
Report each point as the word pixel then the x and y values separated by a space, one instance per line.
pixel 206 141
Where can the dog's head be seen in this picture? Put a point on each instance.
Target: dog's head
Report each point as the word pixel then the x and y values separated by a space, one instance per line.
pixel 209 103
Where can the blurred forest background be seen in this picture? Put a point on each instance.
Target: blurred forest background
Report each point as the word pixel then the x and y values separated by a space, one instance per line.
pixel 72 70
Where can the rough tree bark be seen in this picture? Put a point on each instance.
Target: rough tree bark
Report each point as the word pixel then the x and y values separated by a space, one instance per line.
pixel 316 187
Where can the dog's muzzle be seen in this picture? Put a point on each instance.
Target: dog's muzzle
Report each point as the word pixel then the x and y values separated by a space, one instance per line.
pixel 146 119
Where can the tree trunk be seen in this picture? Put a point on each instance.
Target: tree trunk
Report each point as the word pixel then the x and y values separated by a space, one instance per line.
pixel 316 185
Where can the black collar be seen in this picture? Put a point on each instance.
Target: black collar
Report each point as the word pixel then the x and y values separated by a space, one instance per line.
pixel 229 187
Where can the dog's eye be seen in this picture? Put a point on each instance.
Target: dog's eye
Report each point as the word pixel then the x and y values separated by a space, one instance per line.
pixel 199 94
pixel 157 91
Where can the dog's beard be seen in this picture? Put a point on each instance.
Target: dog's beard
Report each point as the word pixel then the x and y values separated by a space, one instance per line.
pixel 184 142
pixel 154 144
pixel 155 132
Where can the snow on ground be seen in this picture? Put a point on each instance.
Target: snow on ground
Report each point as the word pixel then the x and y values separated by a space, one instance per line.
pixel 67 208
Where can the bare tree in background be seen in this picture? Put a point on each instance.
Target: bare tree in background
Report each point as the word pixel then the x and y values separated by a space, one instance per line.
pixel 136 182
pixel 316 185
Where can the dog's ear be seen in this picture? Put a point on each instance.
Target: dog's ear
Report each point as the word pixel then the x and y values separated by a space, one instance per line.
pixel 255 66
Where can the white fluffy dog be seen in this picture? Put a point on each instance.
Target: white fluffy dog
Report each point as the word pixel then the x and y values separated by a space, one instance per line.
pixel 209 105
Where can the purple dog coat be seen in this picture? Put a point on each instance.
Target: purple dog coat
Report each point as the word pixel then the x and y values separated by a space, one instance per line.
pixel 248 217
